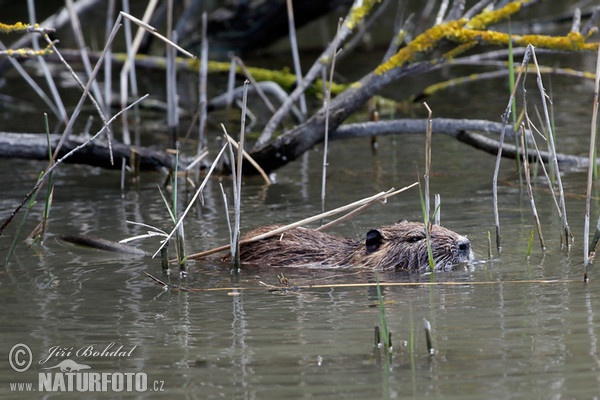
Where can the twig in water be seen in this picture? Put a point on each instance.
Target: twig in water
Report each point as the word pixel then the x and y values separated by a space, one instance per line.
pixel 592 156
pixel 527 172
pixel 563 208
pixel 295 56
pixel 78 33
pixel 40 230
pixel 154 32
pixel 358 210
pixel 193 200
pixel 386 335
pixel 237 188
pixel 172 98
pixel 437 211
pixel 36 88
pixel 505 125
pixel 427 163
pixel 249 158
pixel 202 82
pixel 356 12
pixel 61 112
pixel 43 176
pixel 326 135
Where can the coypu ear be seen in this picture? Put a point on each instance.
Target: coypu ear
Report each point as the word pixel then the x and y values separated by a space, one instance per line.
pixel 373 240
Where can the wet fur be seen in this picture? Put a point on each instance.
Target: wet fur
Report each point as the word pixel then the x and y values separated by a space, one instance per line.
pixel 401 246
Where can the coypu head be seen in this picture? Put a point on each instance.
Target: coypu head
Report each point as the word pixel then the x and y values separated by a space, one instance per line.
pixel 404 246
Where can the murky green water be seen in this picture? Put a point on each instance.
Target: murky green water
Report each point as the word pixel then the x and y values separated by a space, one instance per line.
pixel 510 327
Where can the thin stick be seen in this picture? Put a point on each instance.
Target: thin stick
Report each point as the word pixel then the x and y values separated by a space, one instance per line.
pixel 251 160
pixel 588 191
pixel 527 171
pixel 255 85
pixel 235 245
pixel 33 84
pixel 200 189
pixel 172 103
pixel 295 56
pixel 314 70
pixel 76 26
pixel 132 49
pixel 361 209
pixel 379 196
pixel 505 126
pixel 427 162
pixel 203 78
pixel 367 285
pixel 110 15
pixel 563 207
pixel 154 32
pixel 53 165
pixel 58 106
pixel 326 134
pixel 86 90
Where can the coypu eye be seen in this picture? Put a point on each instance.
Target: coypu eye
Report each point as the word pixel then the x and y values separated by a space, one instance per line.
pixel 414 239
pixel 373 240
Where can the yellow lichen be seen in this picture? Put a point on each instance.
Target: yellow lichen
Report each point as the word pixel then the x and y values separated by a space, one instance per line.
pixel 357 13
pixel 468 33
pixel 459 50
pixel 423 43
pixel 26 52
pixel 489 17
pixel 16 27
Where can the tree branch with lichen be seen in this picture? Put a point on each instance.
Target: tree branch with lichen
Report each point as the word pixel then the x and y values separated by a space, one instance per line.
pixel 21 27
pixel 409 61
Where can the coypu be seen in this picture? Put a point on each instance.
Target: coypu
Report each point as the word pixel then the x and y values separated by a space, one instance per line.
pixel 401 246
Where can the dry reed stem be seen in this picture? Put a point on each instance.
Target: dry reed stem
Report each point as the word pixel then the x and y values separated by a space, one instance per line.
pixel 327 102
pixel 36 88
pixel 295 55
pixel 61 111
pixel 315 69
pixel 154 32
pixel 86 91
pixel 561 194
pixel 527 171
pixel 505 125
pixel 359 203
pixel 237 192
pixel 85 59
pixel 251 160
pixel 588 191
pixel 427 162
pixel 238 61
pixel 203 85
pixel 192 201
pixel 362 285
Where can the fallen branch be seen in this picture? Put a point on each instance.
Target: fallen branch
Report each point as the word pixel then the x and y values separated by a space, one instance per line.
pixel 34 146
pixel 509 151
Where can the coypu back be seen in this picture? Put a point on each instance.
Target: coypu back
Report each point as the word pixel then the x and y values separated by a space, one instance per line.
pixel 297 246
pixel 401 246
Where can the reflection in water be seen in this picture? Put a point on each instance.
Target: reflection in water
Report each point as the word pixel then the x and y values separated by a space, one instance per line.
pixel 240 354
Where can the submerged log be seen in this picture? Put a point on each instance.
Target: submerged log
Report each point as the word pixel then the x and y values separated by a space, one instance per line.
pixel 34 146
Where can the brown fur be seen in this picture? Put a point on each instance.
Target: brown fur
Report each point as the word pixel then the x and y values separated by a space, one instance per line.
pixel 401 246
